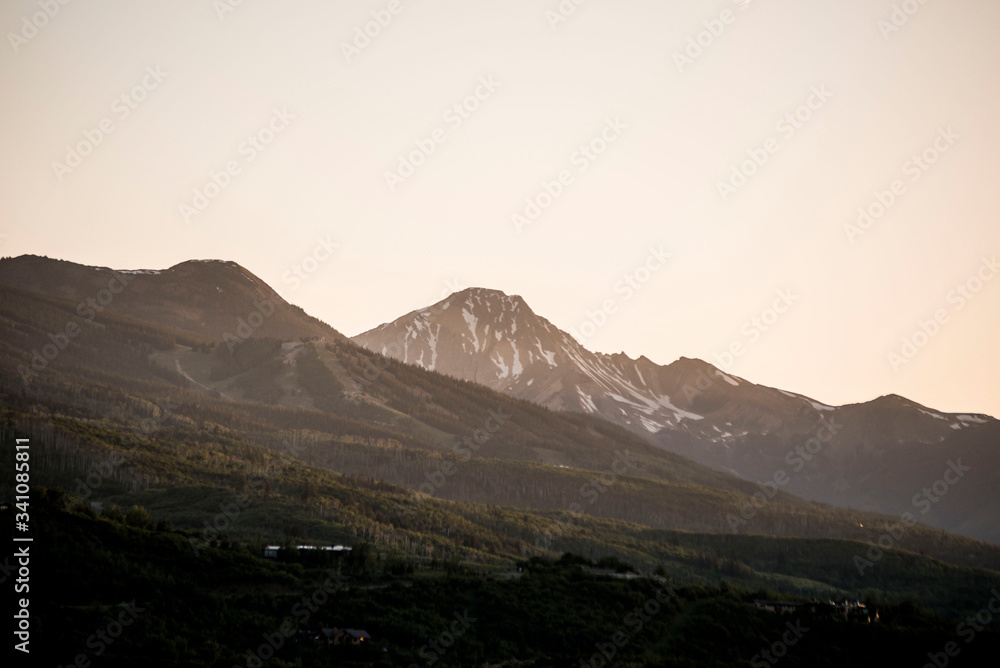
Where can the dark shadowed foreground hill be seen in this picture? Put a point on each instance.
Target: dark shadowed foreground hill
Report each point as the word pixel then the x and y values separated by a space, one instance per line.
pixel 116 593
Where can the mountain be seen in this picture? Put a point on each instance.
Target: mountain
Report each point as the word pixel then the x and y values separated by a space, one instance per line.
pixel 312 439
pixel 878 456
pixel 496 340
pixel 357 412
pixel 215 299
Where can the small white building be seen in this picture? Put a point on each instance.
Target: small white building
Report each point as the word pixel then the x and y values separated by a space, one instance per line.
pixel 271 551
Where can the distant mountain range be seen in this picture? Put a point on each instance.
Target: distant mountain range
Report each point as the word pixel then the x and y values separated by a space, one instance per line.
pixel 701 438
pixel 879 455
pixel 231 342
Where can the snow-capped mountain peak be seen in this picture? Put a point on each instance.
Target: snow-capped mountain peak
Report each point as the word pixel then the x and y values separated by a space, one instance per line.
pixel 495 339
pixel 491 337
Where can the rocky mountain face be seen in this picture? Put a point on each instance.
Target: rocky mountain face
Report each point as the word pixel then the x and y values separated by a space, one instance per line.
pixel 879 455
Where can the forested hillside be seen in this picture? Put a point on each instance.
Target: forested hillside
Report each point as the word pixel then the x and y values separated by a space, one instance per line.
pixel 148 600
pixel 237 445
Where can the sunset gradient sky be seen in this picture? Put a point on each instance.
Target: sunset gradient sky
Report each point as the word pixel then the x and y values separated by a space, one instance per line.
pixel 330 122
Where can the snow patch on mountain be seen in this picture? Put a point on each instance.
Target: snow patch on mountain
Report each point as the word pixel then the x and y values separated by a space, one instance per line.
pixel 550 357
pixel 432 341
pixel 815 404
pixel 504 369
pixel 679 413
pixel 472 321
pixel 652 426
pixel 726 378
pixel 516 366
pixel 586 401
pixel 649 407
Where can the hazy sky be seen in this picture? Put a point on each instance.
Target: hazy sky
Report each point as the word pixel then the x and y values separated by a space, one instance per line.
pixel 833 99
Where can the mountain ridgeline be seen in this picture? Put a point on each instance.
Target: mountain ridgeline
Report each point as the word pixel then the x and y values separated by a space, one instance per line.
pixel 290 433
pixel 880 455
